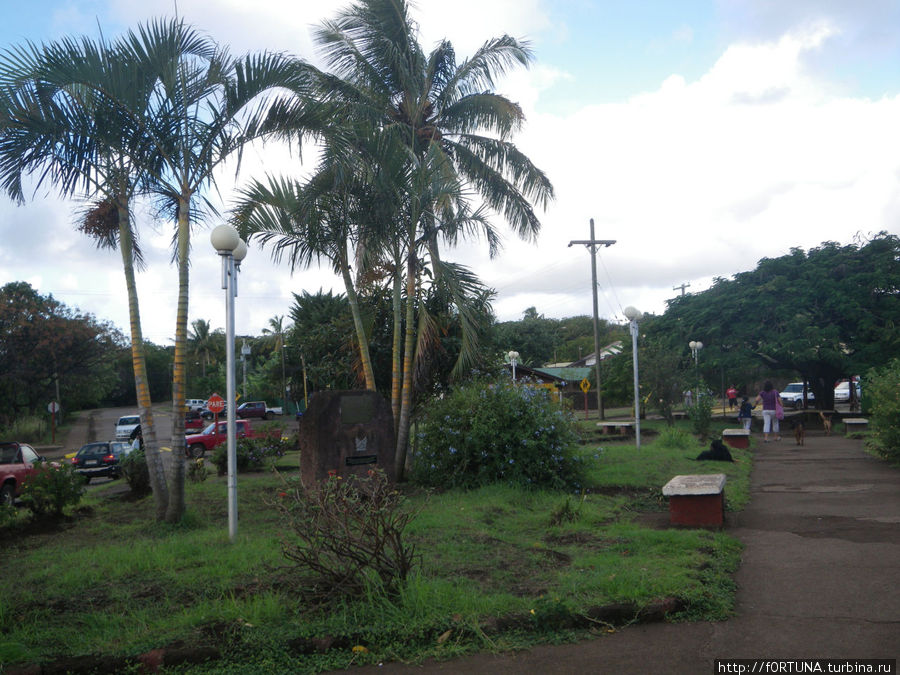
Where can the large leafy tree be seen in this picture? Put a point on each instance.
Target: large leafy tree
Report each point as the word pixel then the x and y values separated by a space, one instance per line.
pixel 456 131
pixel 820 315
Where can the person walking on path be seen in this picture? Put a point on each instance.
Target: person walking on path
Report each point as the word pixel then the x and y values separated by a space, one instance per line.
pixel 771 400
pixel 745 414
pixel 732 395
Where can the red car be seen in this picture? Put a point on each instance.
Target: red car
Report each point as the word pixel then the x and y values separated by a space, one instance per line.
pixel 193 420
pixel 17 462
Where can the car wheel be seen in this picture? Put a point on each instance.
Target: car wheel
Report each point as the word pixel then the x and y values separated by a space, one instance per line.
pixel 268 415
pixel 7 495
pixel 798 404
pixel 197 450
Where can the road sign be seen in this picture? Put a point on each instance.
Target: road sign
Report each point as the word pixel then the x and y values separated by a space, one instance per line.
pixel 585 385
pixel 53 407
pixel 216 404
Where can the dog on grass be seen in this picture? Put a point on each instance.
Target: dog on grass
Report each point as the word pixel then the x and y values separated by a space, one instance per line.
pixel 799 431
pixel 717 452
pixel 826 422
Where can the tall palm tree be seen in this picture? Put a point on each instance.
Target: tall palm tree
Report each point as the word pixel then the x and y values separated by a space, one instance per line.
pixel 71 135
pixel 452 124
pixel 201 343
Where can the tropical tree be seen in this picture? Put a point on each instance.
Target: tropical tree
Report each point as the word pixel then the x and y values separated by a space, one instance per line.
pixel 55 127
pixel 455 130
pixel 202 345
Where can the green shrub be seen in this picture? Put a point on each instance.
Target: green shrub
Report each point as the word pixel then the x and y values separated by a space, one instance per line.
pixel 347 536
pixel 136 472
pixel 673 437
pixel 51 489
pixel 482 433
pixel 197 471
pixel 883 403
pixel 251 454
pixel 700 415
pixel 7 515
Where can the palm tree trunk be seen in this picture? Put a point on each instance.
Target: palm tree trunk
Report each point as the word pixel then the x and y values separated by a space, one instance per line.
pixel 176 495
pixel 139 363
pixel 409 352
pixel 361 337
pixel 396 371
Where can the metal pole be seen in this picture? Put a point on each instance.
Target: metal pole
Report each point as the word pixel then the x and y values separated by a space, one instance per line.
pixel 230 292
pixel 637 390
pixel 593 244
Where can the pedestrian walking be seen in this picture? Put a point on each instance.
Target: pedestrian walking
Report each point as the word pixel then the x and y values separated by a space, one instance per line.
pixel 771 400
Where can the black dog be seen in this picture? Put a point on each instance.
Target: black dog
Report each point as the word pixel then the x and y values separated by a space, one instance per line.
pixel 717 452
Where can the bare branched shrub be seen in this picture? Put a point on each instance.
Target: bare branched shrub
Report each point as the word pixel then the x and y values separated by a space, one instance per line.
pixel 347 535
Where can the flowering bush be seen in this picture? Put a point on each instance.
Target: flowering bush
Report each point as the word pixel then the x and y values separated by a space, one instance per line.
pixel 486 432
pixel 51 489
pixel 346 535
pixel 251 454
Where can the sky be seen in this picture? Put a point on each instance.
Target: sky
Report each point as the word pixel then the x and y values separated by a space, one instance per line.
pixel 701 135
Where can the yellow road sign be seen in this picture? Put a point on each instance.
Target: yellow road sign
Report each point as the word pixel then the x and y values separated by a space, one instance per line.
pixel 585 385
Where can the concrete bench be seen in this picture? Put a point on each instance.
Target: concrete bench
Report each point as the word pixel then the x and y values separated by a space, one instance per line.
pixel 696 501
pixel 736 438
pixel 855 424
pixel 620 428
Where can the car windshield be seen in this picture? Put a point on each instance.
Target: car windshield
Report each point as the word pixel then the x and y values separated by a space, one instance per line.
pixel 93 450
pixel 794 389
pixel 119 448
pixel 129 420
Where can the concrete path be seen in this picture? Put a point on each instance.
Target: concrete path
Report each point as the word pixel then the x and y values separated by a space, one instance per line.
pixel 820 577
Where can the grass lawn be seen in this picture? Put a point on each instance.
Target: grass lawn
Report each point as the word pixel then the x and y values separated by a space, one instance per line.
pixel 500 568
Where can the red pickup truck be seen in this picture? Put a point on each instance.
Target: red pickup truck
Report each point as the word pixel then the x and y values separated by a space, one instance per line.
pixel 210 437
pixel 17 462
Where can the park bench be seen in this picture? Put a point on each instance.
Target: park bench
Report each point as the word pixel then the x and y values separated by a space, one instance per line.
pixel 619 428
pixel 736 438
pixel 696 500
pixel 855 424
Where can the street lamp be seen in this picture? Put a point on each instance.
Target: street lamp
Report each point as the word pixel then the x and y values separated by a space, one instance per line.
pixel 513 359
pixel 232 249
pixel 635 315
pixel 245 354
pixel 696 346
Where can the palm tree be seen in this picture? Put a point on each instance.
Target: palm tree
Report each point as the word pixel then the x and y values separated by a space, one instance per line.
pixel 453 126
pixel 275 332
pixel 201 343
pixel 71 135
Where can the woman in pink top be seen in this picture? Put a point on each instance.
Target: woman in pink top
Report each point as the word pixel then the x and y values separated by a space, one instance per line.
pixel 770 398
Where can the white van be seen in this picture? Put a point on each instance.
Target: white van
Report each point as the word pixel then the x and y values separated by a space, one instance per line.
pixel 197 404
pixel 126 425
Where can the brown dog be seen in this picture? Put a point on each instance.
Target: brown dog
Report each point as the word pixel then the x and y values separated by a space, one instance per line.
pixel 799 432
pixel 826 423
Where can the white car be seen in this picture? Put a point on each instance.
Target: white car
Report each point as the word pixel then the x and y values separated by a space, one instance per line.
pixel 126 425
pixel 197 404
pixel 792 395
pixel 842 392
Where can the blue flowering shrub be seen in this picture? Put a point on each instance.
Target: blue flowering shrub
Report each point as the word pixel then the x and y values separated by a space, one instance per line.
pixel 482 433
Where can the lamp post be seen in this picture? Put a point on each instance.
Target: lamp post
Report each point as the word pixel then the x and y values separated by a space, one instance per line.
pixel 232 249
pixel 696 346
pixel 513 359
pixel 245 354
pixel 635 315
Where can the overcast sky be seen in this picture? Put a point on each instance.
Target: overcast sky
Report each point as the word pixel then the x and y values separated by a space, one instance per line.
pixel 701 135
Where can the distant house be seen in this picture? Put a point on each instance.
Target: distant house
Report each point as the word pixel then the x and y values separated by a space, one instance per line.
pixel 610 350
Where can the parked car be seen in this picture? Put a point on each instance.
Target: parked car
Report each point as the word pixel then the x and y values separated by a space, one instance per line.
pixel 213 435
pixel 257 409
pixel 100 459
pixel 792 395
pixel 842 391
pixel 17 462
pixel 193 420
pixel 195 404
pixel 127 427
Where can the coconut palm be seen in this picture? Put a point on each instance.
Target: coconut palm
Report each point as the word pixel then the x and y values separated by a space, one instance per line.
pixel 71 136
pixel 452 124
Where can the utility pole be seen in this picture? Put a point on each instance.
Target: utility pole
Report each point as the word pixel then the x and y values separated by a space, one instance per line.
pixel 682 287
pixel 593 244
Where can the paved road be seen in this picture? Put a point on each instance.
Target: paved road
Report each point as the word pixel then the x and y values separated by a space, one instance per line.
pixel 819 577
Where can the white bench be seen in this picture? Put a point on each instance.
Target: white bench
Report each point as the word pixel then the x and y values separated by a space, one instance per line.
pixel 620 428
pixel 855 424
pixel 696 500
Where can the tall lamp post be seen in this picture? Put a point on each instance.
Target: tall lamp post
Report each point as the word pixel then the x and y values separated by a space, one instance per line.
pixel 696 346
pixel 232 249
pixel 513 359
pixel 635 315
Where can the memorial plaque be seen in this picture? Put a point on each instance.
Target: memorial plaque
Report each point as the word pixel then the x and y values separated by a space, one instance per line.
pixel 346 432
